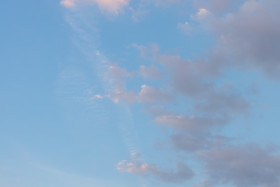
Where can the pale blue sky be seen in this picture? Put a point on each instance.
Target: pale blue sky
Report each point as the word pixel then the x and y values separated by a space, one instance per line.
pixel 128 93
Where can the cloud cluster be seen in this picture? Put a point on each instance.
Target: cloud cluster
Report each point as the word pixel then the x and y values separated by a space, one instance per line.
pixel 247 38
pixel 116 77
pixel 213 106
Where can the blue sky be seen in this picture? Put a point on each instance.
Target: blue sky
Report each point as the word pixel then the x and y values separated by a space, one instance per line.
pixel 122 93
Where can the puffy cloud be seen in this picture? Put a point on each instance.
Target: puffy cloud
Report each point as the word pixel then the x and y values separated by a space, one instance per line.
pixel 202 13
pixel 249 38
pixel 151 94
pixel 247 165
pixel 196 80
pixel 187 77
pixel 212 105
pixel 180 174
pixel 110 6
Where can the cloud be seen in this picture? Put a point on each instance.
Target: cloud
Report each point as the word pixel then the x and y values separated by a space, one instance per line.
pixel 246 165
pixel 109 6
pixel 202 13
pixel 122 96
pixel 196 80
pixel 192 143
pixel 188 77
pixel 150 72
pixel 68 3
pixel 147 51
pixel 249 38
pixel 97 96
pixel 147 94
pixel 180 174
pixel 218 6
pixel 211 105
pixel 185 27
pixel 112 6
pixel 151 94
pixel 193 124
pixel 223 102
pixel 115 76
pixel 205 183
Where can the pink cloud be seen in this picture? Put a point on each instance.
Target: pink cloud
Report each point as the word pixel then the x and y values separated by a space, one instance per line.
pixel 109 6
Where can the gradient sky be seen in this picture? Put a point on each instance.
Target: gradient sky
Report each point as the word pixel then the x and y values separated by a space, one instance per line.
pixel 140 93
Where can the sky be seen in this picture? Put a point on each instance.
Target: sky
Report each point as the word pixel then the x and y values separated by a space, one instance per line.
pixel 140 93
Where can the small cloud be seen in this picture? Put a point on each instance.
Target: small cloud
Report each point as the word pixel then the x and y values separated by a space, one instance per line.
pixel 185 27
pixel 202 13
pixel 97 53
pixel 119 96
pixel 97 96
pixel 68 3
pixel 110 6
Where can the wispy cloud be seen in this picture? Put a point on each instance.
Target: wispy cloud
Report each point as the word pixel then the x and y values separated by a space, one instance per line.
pixel 180 174
pixel 110 6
